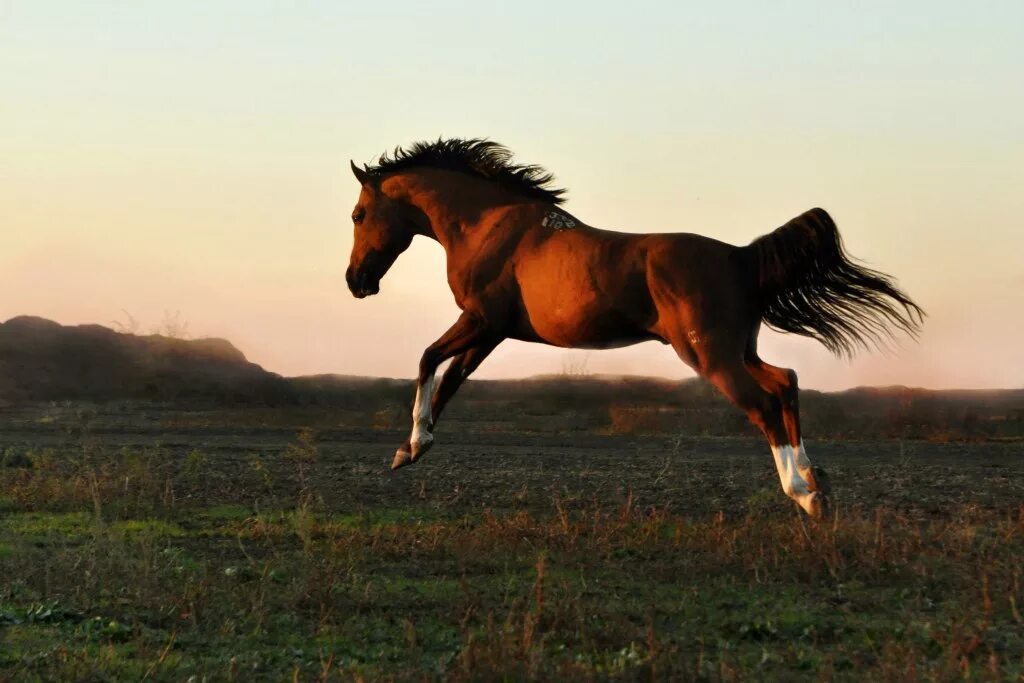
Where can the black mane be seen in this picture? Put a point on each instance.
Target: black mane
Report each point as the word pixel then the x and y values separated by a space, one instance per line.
pixel 479 157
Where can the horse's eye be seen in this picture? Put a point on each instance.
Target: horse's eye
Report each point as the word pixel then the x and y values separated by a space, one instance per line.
pixel 359 215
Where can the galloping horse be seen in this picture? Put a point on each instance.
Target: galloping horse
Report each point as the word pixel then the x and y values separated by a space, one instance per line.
pixel 522 267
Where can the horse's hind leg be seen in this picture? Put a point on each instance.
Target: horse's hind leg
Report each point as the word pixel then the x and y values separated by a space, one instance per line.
pixel 704 312
pixel 760 393
pixel 765 410
pixel 782 382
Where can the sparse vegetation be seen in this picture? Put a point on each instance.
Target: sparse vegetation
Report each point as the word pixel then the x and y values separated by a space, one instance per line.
pixel 234 547
pixel 127 324
pixel 574 363
pixel 172 326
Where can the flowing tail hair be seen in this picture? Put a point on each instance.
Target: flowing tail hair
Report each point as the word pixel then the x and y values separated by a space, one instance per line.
pixel 809 286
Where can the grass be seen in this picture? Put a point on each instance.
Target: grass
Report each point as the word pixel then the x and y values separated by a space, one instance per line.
pixel 582 594
pixel 158 563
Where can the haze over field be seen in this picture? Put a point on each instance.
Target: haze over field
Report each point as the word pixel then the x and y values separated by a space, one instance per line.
pixel 194 157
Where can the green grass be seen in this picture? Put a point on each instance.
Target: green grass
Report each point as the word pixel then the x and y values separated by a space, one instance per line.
pixel 589 595
pixel 37 526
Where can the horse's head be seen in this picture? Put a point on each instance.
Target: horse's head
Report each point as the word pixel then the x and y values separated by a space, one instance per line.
pixel 383 230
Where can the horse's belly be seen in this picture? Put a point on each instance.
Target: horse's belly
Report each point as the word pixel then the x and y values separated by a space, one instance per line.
pixel 579 322
pixel 574 339
pixel 583 292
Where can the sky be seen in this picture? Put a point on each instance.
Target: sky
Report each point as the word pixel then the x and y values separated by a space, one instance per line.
pixel 191 159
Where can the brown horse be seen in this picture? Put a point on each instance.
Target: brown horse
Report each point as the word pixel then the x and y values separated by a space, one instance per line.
pixel 521 267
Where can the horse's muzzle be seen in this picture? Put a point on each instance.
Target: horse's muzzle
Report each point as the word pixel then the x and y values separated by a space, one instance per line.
pixel 362 284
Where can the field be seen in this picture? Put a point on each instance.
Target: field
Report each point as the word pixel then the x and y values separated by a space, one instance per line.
pixel 148 543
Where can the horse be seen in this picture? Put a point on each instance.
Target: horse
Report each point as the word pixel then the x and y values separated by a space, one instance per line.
pixel 522 267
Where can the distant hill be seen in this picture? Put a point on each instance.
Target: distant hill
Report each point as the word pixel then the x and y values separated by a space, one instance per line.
pixel 41 360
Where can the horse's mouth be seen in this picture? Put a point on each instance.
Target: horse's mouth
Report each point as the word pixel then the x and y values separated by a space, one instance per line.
pixel 362 285
pixel 364 292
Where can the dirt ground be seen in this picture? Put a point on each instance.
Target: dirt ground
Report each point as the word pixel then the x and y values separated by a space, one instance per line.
pixel 470 470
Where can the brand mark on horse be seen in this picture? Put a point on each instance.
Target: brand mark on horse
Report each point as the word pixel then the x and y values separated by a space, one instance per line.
pixel 558 221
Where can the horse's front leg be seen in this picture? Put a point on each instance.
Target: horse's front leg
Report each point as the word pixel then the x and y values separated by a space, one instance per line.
pixel 462 367
pixel 469 332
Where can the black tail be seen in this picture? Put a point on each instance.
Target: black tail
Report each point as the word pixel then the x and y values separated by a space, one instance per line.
pixel 812 288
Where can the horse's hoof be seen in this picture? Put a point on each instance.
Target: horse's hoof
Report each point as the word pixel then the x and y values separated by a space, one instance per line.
pixel 402 458
pixel 816 505
pixel 422 445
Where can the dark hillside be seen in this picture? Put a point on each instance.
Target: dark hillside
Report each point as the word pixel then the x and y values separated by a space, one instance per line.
pixel 43 361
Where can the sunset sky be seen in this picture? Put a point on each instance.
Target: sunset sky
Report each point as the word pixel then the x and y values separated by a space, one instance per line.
pixel 193 157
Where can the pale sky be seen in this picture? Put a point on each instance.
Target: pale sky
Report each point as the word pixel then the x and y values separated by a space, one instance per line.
pixel 193 157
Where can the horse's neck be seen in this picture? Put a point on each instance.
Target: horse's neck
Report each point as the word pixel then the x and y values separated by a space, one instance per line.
pixel 452 204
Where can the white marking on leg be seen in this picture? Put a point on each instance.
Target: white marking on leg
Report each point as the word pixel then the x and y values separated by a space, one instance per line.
pixel 785 463
pixel 421 423
pixel 789 462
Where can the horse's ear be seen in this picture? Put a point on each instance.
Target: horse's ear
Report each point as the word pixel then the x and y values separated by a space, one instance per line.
pixel 360 173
